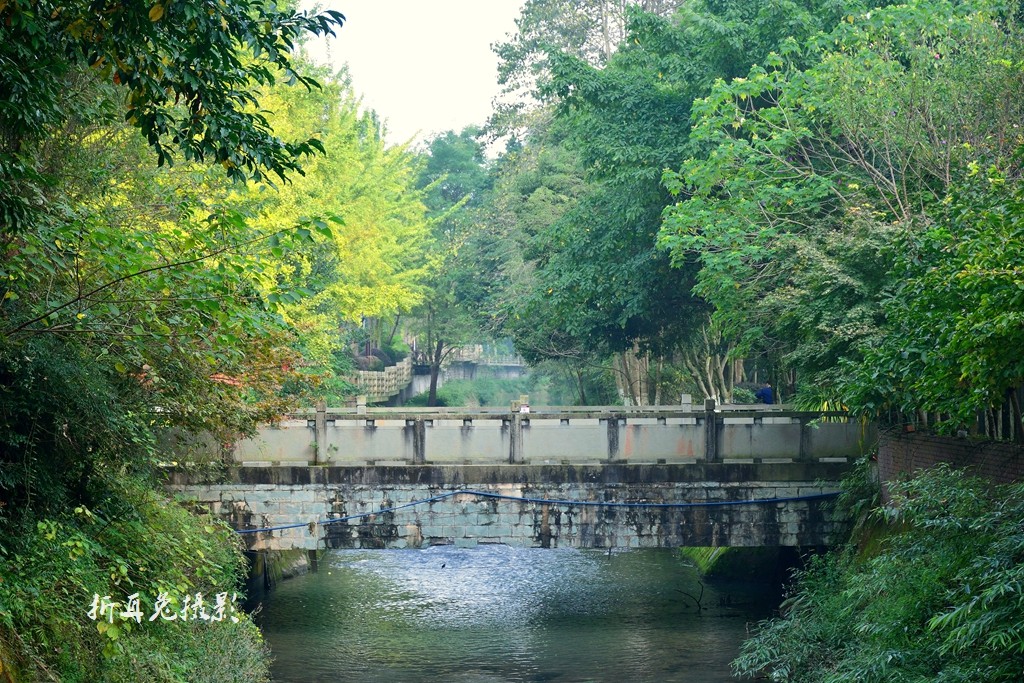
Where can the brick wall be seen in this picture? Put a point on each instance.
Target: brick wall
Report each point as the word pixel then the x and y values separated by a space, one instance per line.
pixel 901 454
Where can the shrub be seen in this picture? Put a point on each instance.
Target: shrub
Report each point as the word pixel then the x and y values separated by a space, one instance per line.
pixel 135 541
pixel 940 601
pixel 743 395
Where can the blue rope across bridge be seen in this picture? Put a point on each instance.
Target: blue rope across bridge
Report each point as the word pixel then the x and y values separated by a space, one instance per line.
pixel 542 501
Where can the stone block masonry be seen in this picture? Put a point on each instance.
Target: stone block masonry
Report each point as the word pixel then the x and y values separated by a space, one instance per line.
pixel 592 506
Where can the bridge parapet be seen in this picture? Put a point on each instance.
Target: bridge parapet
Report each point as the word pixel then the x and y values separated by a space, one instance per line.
pixel 586 506
pixel 560 435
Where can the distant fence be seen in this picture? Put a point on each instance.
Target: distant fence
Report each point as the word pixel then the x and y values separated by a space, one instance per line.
pixel 381 385
pixel 476 354
pixel 558 435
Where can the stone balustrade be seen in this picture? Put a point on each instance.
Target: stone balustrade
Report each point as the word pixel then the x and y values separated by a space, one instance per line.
pixel 665 434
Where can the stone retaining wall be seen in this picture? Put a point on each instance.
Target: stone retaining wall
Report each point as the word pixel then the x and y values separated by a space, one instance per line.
pixel 255 498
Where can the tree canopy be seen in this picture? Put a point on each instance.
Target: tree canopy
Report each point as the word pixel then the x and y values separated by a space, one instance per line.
pixel 827 179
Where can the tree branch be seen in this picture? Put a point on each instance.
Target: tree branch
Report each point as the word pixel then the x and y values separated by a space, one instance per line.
pixel 145 271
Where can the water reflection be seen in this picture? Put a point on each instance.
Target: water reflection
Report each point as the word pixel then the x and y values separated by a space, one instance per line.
pixel 497 613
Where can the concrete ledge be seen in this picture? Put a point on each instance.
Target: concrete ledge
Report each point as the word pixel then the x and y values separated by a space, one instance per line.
pixel 745 470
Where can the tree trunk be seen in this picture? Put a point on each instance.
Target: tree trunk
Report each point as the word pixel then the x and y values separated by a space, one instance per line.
pixel 632 376
pixel 391 337
pixel 657 380
pixel 582 389
pixel 708 363
pixel 1018 432
pixel 624 379
pixel 435 370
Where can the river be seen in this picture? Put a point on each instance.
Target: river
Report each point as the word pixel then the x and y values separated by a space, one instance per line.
pixel 511 615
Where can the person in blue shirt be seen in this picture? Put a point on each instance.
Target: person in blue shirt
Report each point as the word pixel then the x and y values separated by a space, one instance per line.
pixel 764 394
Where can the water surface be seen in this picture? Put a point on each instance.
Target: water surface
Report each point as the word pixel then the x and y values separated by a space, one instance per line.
pixel 509 615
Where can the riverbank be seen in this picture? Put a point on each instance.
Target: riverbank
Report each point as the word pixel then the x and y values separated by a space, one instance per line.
pixel 933 593
pixel 134 588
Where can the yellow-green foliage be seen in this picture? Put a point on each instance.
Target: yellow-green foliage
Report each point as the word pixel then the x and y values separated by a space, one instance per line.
pixel 374 264
pixel 135 542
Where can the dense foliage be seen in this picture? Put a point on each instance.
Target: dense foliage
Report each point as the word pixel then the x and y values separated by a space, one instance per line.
pixel 834 169
pixel 940 600
pixel 131 542
pixel 589 284
pixel 141 298
pixel 184 70
pixel 846 203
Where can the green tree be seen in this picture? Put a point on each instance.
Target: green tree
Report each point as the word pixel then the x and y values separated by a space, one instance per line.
pixel 953 317
pixel 590 30
pixel 817 167
pixel 455 181
pixel 372 265
pixel 608 284
pixel 185 72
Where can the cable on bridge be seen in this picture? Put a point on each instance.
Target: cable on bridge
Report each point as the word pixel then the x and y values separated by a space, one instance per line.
pixel 541 501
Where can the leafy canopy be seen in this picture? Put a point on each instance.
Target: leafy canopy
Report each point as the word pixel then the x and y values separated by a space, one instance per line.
pixel 185 71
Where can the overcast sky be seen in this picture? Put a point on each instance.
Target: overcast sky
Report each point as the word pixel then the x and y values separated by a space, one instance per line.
pixel 426 67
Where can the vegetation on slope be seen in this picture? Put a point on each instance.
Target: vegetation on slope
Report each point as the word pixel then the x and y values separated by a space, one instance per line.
pixel 938 601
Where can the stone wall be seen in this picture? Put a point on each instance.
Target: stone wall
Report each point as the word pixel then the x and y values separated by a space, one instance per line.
pixel 380 385
pixel 307 497
pixel 901 454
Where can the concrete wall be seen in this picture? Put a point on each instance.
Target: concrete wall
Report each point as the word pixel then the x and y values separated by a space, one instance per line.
pixel 554 436
pixel 469 370
pixel 261 497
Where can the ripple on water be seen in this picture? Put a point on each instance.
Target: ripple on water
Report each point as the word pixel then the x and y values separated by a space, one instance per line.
pixel 497 613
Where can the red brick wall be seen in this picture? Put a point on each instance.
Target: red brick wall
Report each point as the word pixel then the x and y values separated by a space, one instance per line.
pixel 901 454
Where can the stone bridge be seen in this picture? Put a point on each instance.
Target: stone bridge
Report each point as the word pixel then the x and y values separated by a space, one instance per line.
pixel 598 478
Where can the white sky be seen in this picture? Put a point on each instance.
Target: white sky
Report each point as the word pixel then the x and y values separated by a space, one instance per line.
pixel 425 67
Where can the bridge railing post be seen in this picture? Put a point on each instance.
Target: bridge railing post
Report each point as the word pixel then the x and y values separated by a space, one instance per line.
pixel 419 441
pixel 613 436
pixel 710 431
pixel 804 452
pixel 320 433
pixel 515 433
